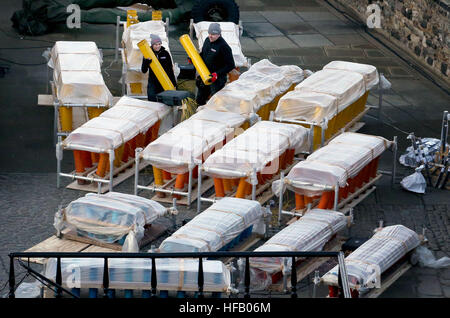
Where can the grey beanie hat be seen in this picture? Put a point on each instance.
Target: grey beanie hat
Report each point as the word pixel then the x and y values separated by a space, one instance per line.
pixel 214 28
pixel 155 39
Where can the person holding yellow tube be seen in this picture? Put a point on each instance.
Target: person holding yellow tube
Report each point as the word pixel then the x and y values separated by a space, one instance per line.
pixel 154 87
pixel 218 57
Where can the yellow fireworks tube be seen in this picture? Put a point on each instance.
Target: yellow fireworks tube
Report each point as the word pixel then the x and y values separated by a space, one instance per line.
pixel 156 67
pixel 197 60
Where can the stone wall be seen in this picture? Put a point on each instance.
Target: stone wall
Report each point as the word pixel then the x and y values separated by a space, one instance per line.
pixel 420 27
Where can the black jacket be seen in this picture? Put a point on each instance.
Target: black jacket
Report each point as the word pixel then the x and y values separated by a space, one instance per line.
pixel 166 62
pixel 218 56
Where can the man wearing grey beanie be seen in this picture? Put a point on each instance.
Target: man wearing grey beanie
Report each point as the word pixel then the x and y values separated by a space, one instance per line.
pixel 154 86
pixel 217 55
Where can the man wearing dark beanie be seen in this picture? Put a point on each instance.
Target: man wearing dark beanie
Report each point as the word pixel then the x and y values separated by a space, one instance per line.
pixel 218 57
pixel 154 86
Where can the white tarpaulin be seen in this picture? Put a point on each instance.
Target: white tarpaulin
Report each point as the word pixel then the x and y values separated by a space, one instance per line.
pixel 343 158
pixel 346 86
pixel 191 139
pixel 171 274
pixel 257 146
pixel 366 264
pixel 309 106
pixel 230 33
pixel 310 233
pixel 77 74
pixel 117 125
pixel 369 72
pixel 212 229
pixel 258 86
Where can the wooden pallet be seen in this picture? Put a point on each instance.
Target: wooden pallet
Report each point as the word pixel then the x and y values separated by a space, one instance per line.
pixel 306 267
pixel 243 246
pixel 122 173
pixel 55 244
pixel 207 183
pixel 151 233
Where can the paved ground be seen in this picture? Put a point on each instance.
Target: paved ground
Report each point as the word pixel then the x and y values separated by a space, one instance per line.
pixel 307 33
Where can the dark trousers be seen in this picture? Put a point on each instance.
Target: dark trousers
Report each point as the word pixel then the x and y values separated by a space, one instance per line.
pixel 153 89
pixel 204 91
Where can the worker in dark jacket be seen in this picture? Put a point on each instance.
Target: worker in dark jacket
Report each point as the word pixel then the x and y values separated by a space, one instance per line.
pixel 154 86
pixel 217 55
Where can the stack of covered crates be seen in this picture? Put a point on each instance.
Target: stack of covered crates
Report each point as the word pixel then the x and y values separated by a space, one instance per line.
pixel 110 218
pixel 310 233
pixel 190 142
pixel 329 99
pixel 369 261
pixel 266 148
pixel 78 80
pixel 131 123
pixel 218 228
pixel 348 162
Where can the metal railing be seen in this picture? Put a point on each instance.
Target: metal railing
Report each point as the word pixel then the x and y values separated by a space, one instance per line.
pixel 59 289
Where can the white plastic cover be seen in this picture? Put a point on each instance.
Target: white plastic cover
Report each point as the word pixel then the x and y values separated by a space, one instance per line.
pixel 257 146
pixel 369 72
pixel 255 88
pixel 193 138
pixel 310 233
pixel 370 260
pixel 117 125
pixel 77 74
pixel 212 229
pixel 230 33
pixel 346 86
pixel 108 218
pixel 308 106
pixel 414 182
pixel 343 158
pixel 171 274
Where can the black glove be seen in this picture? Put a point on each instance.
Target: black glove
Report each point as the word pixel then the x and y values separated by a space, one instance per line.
pixel 148 60
pixel 199 82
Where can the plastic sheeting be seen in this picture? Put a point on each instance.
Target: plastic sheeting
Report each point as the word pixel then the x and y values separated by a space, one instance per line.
pixel 346 86
pixel 366 264
pixel 108 218
pixel 77 74
pixel 343 158
pixel 212 229
pixel 257 146
pixel 430 146
pixel 255 88
pixel 312 107
pixel 191 140
pixel 171 274
pixel 230 33
pixel 117 125
pixel 369 72
pixel 414 182
pixel 310 233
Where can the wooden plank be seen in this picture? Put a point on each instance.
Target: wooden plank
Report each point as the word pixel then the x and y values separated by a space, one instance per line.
pixel 243 246
pixel 151 233
pixel 206 185
pixel 98 249
pixel 307 266
pixel 123 174
pixel 386 282
pixel 54 244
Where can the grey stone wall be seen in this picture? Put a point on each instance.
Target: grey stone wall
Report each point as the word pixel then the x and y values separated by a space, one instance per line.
pixel 419 26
